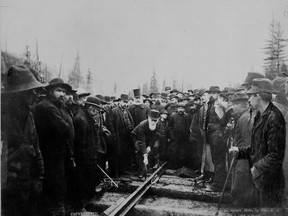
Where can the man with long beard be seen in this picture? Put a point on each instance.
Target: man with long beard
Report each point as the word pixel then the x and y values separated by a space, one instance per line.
pixel 54 133
pixel 147 141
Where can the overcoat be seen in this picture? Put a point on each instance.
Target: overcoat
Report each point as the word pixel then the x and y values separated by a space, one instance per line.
pixel 139 113
pixel 121 128
pixel 54 132
pixel 242 185
pixel 266 154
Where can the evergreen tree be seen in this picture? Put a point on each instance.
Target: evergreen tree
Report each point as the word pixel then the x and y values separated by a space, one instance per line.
pixel 75 78
pixel 154 83
pixel 89 81
pixel 275 50
pixel 27 57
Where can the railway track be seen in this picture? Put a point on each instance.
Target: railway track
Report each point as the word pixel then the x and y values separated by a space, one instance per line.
pixel 165 194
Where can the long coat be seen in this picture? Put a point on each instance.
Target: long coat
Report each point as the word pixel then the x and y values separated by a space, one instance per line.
pixel 85 143
pixel 266 154
pixel 24 160
pixel 86 148
pixel 121 128
pixel 54 133
pixel 242 186
pixel 139 113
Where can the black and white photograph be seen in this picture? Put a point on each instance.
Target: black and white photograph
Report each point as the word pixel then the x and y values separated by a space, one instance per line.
pixel 144 107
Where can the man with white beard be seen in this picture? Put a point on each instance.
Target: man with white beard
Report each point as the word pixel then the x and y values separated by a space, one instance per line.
pixel 147 142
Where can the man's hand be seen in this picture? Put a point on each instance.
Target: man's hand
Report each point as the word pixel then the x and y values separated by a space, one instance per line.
pixel 234 151
pixel 148 149
pixel 256 176
pixel 145 160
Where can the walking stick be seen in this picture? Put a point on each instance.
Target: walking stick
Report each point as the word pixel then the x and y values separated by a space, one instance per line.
pixel 107 176
pixel 223 190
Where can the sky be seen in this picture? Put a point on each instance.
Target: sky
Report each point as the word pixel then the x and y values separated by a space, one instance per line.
pixel 197 42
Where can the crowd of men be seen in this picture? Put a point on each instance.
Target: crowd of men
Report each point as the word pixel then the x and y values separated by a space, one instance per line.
pixel 57 141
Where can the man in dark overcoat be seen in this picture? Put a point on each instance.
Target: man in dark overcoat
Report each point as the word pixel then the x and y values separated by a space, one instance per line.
pixel 267 149
pixel 179 124
pixel 54 132
pixel 138 110
pixel 242 185
pixel 86 147
pixel 120 125
pixel 25 169
pixel 147 142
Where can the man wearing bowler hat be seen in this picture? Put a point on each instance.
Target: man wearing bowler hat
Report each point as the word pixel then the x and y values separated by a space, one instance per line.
pixel 266 152
pixel 212 120
pixel 242 185
pixel 121 124
pixel 86 148
pixel 147 142
pixel 54 132
pixel 179 124
pixel 138 110
pixel 25 169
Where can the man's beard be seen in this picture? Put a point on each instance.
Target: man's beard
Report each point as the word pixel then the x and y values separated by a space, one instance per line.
pixel 152 125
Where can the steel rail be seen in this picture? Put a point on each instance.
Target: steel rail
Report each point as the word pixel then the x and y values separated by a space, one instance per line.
pixel 124 207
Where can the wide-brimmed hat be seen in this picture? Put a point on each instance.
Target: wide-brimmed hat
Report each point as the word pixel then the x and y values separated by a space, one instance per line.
pixel 239 96
pixel 20 78
pixel 261 85
pixel 94 101
pixel 58 82
pixel 136 93
pixel 106 99
pixel 181 104
pixel 164 111
pixel 81 92
pixel 154 114
pixel 213 89
pixel 167 88
pixel 174 91
pixel 164 95
pixel 250 77
pixel 279 85
pixel 185 97
pixel 124 97
pixel 147 99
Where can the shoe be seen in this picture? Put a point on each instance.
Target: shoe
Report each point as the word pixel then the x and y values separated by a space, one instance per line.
pixel 202 177
pixel 213 188
pixel 210 180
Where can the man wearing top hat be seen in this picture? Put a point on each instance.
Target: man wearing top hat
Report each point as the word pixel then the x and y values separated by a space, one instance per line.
pixel 266 152
pixel 121 124
pixel 54 133
pixel 147 141
pixel 25 169
pixel 138 110
pixel 179 124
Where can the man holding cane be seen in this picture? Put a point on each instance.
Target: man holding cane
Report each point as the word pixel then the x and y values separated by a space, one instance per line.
pixel 266 153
